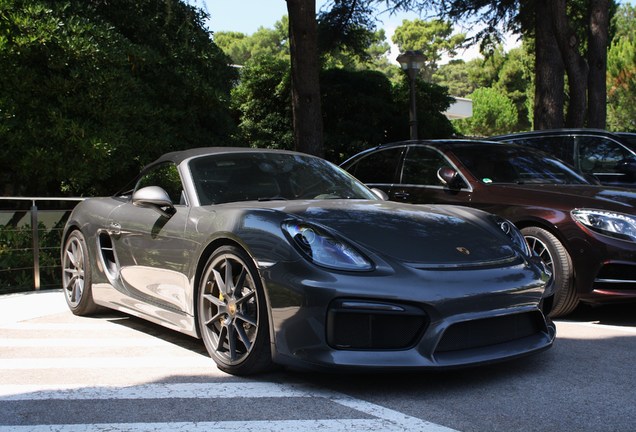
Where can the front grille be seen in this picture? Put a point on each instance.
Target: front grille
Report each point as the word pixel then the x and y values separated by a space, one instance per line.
pixel 366 325
pixel 490 331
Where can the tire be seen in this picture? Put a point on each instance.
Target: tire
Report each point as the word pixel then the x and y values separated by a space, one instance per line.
pixel 232 313
pixel 557 259
pixel 76 275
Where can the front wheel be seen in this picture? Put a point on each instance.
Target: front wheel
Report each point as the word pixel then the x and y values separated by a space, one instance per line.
pixel 76 275
pixel 558 260
pixel 232 314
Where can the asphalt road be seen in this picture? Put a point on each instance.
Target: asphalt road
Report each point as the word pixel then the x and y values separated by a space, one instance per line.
pixel 64 373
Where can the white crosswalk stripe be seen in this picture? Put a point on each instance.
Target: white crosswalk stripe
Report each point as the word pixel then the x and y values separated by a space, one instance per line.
pixel 94 358
pixel 233 426
pixel 103 343
pixel 106 363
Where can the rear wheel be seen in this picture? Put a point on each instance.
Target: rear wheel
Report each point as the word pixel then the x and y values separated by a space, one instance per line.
pixel 232 314
pixel 76 275
pixel 557 259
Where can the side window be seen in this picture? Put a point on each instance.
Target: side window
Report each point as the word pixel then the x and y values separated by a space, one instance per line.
pixel 378 167
pixel 599 154
pixel 421 165
pixel 561 147
pixel 167 177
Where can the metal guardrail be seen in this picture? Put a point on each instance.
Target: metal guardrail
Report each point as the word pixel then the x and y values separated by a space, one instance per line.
pixel 17 225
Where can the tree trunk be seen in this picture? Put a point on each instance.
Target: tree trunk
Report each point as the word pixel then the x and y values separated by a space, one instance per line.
pixel 598 40
pixel 575 65
pixel 305 68
pixel 549 72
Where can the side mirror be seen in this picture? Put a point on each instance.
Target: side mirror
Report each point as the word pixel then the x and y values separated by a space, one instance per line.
pixel 155 198
pixel 449 177
pixel 380 194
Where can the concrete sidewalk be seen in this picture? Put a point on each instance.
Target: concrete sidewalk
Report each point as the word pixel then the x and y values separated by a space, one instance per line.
pixel 25 306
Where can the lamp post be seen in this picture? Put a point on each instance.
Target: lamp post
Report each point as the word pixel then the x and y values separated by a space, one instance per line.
pixel 412 62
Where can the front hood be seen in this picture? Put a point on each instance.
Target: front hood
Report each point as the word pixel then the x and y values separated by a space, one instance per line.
pixel 420 235
pixel 577 196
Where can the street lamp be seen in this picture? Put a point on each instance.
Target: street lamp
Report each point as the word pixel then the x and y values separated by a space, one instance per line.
pixel 412 62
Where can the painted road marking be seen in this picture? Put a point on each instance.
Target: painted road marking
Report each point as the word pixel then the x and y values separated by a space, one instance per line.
pixel 382 418
pixel 29 401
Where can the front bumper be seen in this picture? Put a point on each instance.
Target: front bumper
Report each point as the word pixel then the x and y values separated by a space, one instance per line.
pixel 407 318
pixel 605 268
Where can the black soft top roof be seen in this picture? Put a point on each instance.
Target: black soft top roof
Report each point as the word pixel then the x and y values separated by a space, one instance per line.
pixel 179 156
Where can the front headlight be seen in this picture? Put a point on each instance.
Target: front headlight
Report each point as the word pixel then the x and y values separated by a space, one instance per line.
pixel 513 234
pixel 612 224
pixel 324 249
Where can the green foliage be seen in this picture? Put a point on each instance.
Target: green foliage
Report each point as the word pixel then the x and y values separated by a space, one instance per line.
pixel 511 73
pixel 235 45
pixel 346 26
pixel 454 75
pixel 462 78
pixel 373 58
pixel 493 113
pixel 263 102
pixel 514 80
pixel 16 257
pixel 432 101
pixel 92 90
pixel 369 52
pixel 359 111
pixel 264 42
pixel 433 38
pixel 624 22
pixel 621 72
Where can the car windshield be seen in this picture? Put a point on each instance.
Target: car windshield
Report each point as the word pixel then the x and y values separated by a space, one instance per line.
pixel 497 163
pixel 267 176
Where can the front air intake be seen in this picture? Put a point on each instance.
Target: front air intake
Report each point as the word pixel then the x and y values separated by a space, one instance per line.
pixel 363 325
pixel 491 331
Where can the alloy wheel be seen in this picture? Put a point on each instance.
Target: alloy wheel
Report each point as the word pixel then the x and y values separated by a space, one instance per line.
pixel 73 271
pixel 229 309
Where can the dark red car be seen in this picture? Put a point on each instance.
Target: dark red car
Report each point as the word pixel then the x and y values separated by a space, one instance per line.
pixel 586 233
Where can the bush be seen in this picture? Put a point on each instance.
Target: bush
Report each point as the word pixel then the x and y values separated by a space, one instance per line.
pixel 16 258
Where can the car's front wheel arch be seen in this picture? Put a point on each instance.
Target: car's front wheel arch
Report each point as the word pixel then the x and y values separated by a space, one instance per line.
pixel 77 271
pixel 228 249
pixel 203 259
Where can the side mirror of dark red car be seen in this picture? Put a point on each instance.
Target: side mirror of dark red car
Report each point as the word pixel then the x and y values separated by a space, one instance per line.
pixel 449 177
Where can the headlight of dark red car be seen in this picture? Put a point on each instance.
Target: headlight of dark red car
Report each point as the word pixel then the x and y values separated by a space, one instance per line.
pixel 325 249
pixel 613 224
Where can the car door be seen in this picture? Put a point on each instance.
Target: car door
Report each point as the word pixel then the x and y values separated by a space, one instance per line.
pixel 419 183
pixel 152 250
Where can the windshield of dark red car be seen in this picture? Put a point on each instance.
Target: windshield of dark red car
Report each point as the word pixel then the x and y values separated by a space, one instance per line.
pixel 269 176
pixel 502 163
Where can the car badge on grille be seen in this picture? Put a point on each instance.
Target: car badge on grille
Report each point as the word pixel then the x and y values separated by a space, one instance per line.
pixel 463 250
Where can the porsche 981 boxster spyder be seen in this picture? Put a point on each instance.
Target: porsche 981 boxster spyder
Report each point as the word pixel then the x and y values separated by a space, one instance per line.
pixel 280 258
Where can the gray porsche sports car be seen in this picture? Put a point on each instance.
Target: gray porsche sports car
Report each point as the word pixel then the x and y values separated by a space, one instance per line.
pixel 275 257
